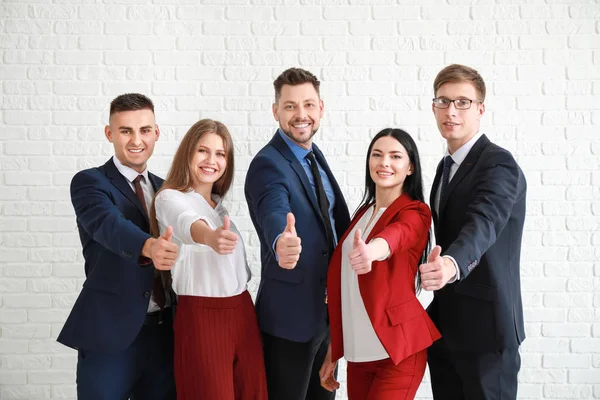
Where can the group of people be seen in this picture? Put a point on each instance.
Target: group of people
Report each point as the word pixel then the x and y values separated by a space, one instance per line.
pixel 331 285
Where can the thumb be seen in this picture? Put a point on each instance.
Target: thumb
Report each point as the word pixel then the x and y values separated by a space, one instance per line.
pixel 357 238
pixel 291 224
pixel 435 253
pixel 226 223
pixel 168 234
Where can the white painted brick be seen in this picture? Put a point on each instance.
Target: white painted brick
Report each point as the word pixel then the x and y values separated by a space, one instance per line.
pixel 520 27
pixel 15 377
pixel 484 12
pixel 344 43
pixel 26 361
pixel 204 13
pixel 565 330
pixel 341 13
pixel 291 13
pixel 584 41
pixel 318 28
pixel 27 26
pixel 562 391
pixel 249 13
pixel 581 315
pixel 396 13
pixel 30 392
pixel 586 376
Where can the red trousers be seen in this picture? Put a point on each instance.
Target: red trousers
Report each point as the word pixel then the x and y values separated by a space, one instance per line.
pixel 218 349
pixel 382 380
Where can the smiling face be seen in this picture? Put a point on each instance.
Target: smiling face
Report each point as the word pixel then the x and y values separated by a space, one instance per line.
pixel 299 112
pixel 458 126
pixel 133 135
pixel 389 164
pixel 209 162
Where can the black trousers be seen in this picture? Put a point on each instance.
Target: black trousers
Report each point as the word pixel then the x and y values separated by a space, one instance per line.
pixel 473 376
pixel 293 368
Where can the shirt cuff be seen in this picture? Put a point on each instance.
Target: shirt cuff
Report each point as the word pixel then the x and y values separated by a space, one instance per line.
pixel 274 244
pixel 457 276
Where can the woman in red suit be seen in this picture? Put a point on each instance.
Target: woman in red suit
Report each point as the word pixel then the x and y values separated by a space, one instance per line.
pixel 376 321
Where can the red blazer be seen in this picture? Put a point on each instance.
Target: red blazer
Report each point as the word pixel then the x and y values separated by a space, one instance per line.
pixel 388 291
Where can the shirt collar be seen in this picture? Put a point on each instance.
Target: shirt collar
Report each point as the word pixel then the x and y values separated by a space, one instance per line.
pixel 129 173
pixel 459 155
pixel 299 152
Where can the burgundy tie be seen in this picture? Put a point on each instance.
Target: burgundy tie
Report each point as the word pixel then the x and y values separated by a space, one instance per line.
pixel 158 289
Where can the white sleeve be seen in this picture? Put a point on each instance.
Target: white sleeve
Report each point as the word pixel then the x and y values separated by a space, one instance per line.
pixel 173 210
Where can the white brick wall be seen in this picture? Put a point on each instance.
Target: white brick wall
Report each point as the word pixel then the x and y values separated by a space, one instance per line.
pixel 61 63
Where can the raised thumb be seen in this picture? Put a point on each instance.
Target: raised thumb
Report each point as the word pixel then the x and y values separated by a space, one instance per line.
pixel 357 238
pixel 226 223
pixel 435 253
pixel 291 223
pixel 168 234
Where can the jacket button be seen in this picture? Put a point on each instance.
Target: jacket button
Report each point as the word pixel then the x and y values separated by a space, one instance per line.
pixel 147 295
pixel 325 254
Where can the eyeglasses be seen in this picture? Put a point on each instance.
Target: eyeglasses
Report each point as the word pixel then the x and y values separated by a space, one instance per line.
pixel 459 104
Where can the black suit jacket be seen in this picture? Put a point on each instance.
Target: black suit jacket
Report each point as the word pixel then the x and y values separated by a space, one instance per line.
pixel 113 227
pixel 480 224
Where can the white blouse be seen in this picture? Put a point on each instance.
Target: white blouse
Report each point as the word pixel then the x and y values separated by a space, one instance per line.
pixel 361 343
pixel 199 270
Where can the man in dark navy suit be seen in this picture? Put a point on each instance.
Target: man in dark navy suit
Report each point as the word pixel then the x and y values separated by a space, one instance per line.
pixel 121 323
pixel 478 203
pixel 299 213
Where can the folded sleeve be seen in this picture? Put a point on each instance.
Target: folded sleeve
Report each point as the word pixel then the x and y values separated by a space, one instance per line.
pixel 173 209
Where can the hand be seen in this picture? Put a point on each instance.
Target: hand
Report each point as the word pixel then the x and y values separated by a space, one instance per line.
pixel 222 240
pixel 326 373
pixel 360 257
pixel 163 252
pixel 437 271
pixel 288 246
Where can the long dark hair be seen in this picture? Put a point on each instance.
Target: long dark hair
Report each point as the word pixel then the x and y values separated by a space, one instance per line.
pixel 413 183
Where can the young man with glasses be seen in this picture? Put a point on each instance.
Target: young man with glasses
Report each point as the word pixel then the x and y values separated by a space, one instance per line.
pixel 478 204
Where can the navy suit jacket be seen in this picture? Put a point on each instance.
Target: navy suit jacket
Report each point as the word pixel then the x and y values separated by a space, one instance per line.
pixel 113 226
pixel 291 303
pixel 480 224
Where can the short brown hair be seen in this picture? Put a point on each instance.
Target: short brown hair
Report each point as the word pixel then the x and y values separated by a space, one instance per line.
pixel 460 73
pixel 180 176
pixel 130 102
pixel 293 77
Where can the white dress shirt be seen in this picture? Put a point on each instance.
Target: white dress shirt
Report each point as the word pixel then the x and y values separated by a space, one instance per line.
pixel 361 343
pixel 199 270
pixel 458 157
pixel 130 174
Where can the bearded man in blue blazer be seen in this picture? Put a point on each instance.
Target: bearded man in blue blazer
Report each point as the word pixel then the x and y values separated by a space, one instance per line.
pixel 121 323
pixel 299 213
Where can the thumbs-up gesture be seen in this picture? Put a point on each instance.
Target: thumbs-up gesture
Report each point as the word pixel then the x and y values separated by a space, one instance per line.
pixel 360 257
pixel 222 240
pixel 288 246
pixel 163 251
pixel 437 271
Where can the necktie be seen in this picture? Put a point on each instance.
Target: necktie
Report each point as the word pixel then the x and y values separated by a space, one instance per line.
pixel 321 198
pixel 158 289
pixel 446 174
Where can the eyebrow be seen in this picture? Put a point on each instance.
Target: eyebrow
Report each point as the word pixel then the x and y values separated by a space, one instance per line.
pixel 391 152
pixel 128 128
pixel 208 148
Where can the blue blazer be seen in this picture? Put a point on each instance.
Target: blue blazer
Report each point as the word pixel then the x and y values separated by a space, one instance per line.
pixel 480 224
pixel 113 226
pixel 291 303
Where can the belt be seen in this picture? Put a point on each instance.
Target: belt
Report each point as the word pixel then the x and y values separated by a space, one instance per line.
pixel 159 317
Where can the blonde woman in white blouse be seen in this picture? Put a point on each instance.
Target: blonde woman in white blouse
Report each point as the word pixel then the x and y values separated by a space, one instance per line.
pixel 218 350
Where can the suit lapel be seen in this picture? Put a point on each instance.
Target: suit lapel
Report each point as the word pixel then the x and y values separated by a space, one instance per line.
pixel 119 181
pixel 286 152
pixel 464 169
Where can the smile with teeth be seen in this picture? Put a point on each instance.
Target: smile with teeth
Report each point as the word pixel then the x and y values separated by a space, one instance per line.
pixel 383 173
pixel 301 126
pixel 136 151
pixel 450 124
pixel 208 170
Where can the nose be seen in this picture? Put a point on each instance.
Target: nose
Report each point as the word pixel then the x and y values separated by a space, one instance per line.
pixel 136 138
pixel 302 113
pixel 451 110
